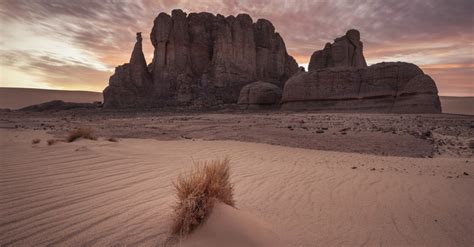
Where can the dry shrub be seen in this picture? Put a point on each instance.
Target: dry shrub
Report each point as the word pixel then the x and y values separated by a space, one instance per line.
pixel 208 183
pixel 86 133
pixel 35 141
pixel 52 142
pixel 112 139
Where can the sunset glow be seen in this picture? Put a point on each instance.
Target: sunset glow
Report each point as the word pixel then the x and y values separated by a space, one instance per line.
pixel 75 45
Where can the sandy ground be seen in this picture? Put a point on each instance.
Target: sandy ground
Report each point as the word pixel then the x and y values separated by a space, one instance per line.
pixel 120 193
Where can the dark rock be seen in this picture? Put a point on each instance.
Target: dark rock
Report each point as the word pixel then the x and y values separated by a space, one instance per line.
pixel 346 51
pixel 131 83
pixel 427 135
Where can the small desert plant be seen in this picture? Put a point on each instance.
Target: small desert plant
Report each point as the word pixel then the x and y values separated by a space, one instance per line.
pixel 52 142
pixel 86 133
pixel 35 141
pixel 112 139
pixel 197 192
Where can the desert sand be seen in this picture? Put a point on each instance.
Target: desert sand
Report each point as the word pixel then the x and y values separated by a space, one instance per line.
pixel 457 105
pixel 120 193
pixel 16 98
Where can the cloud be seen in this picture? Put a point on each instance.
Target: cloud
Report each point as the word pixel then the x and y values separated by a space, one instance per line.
pixel 452 79
pixel 53 72
pixel 419 31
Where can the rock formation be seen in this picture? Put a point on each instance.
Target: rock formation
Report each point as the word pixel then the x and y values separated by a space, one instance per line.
pixel 131 83
pixel 346 51
pixel 385 87
pixel 339 80
pixel 259 94
pixel 200 59
pixel 203 60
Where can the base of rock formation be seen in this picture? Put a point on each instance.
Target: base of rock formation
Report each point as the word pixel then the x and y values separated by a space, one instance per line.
pixel 385 87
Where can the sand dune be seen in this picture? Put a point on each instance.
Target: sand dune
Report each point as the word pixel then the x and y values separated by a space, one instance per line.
pixel 457 105
pixel 15 98
pixel 102 193
pixel 227 226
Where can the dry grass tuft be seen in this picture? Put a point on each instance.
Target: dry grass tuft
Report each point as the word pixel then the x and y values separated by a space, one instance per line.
pixel 35 141
pixel 112 139
pixel 86 133
pixel 52 142
pixel 208 183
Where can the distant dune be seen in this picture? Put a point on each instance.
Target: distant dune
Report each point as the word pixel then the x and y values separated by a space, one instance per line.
pixel 15 98
pixel 457 105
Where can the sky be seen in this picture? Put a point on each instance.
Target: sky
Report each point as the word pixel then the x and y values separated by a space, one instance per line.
pixel 75 45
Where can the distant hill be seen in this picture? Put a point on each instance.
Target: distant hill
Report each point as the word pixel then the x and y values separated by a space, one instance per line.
pixel 15 98
pixel 457 105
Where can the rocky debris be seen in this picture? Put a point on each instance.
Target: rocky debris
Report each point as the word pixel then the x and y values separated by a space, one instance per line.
pixel 259 94
pixel 346 51
pixel 200 59
pixel 59 105
pixel 394 87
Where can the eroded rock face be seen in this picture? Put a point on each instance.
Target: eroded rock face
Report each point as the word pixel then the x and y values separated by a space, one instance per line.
pixel 385 87
pixel 201 59
pixel 346 51
pixel 131 83
pixel 260 94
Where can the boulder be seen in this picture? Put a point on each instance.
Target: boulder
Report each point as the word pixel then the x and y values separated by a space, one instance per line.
pixel 385 87
pixel 346 51
pixel 260 94
pixel 200 59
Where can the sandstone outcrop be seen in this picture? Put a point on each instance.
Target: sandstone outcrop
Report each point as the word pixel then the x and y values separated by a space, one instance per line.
pixel 339 80
pixel 385 87
pixel 346 51
pixel 131 83
pixel 260 94
pixel 200 59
